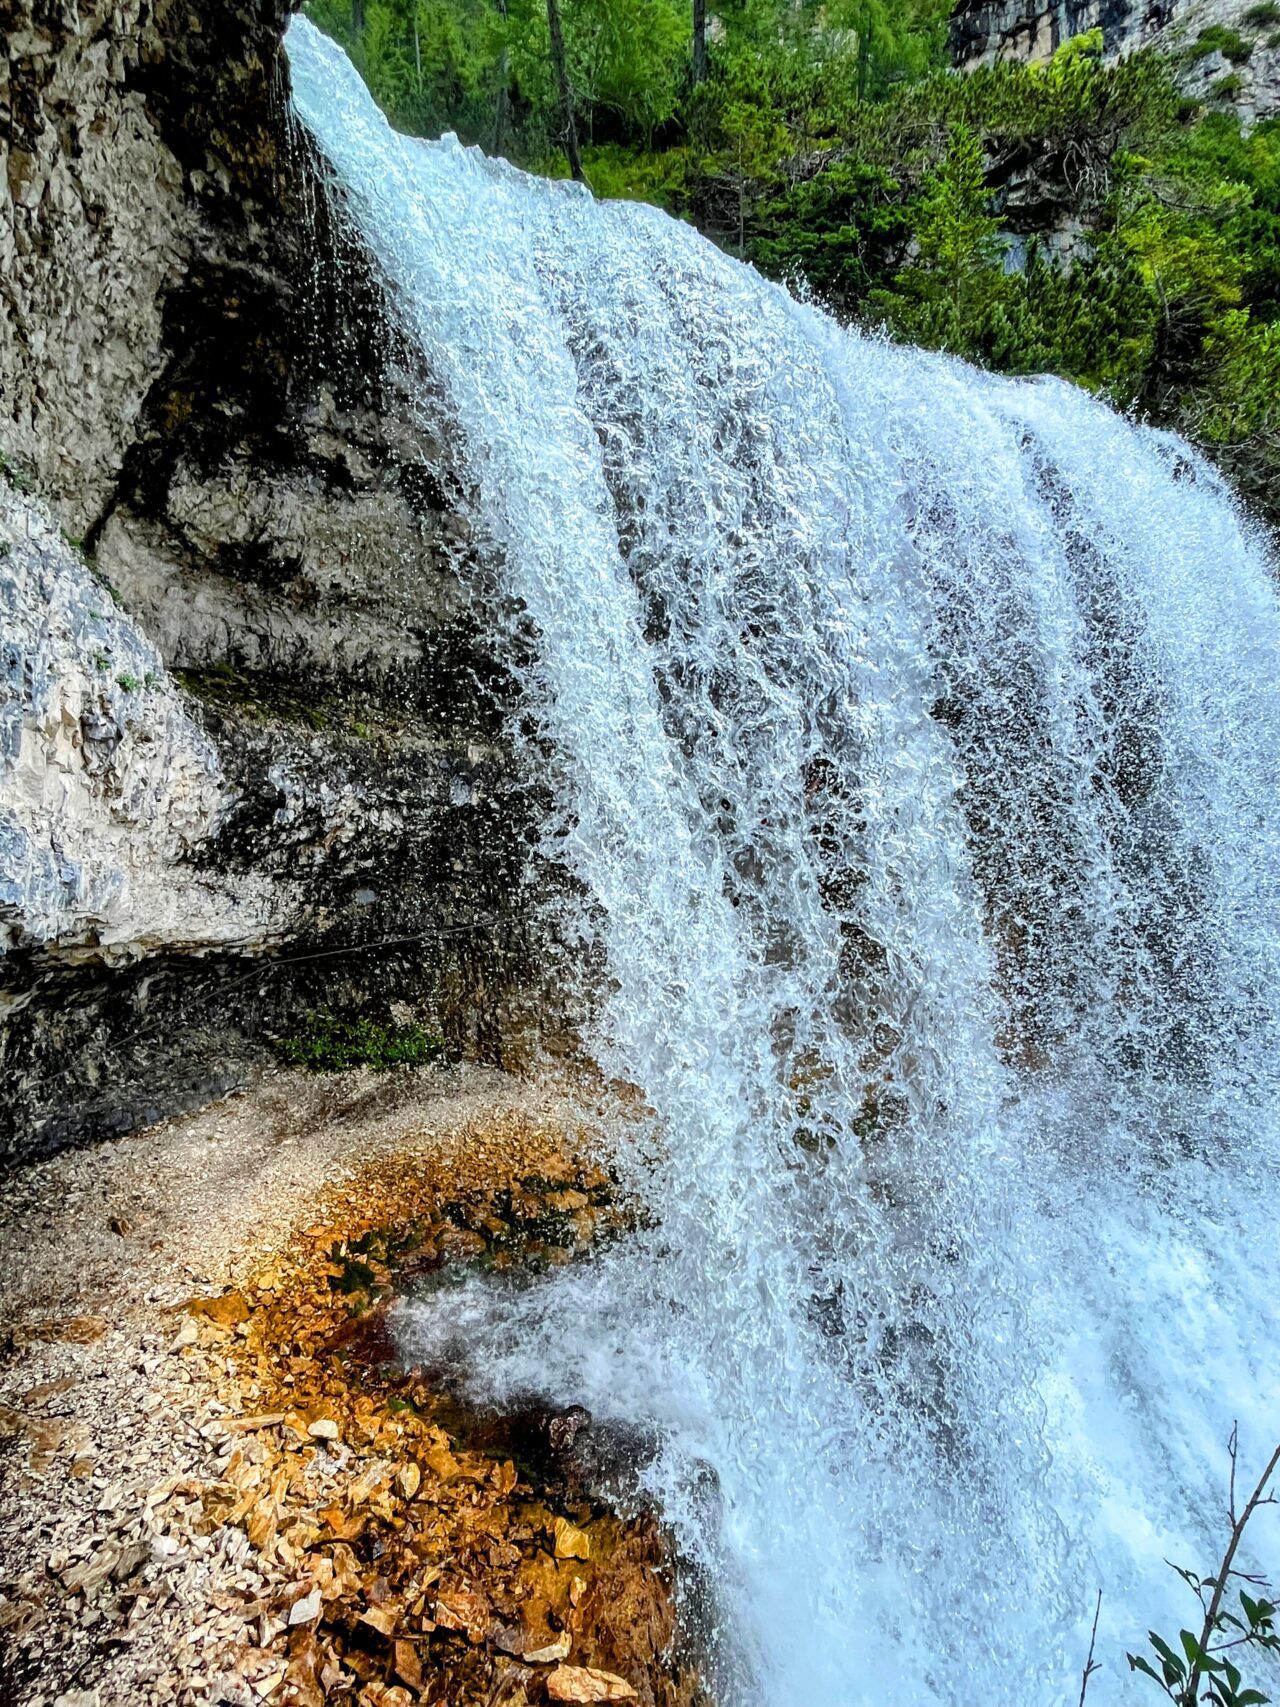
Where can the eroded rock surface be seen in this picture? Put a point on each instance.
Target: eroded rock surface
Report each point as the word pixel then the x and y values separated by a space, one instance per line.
pixel 107 782
pixel 95 228
pixel 202 380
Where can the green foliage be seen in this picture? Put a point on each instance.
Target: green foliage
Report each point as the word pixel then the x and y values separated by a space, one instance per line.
pixel 1198 1669
pixel 329 1044
pixel 840 231
pixel 429 63
pixel 106 585
pixel 1201 1671
pixel 952 287
pixel 15 475
pixel 1263 16
pixel 626 60
pixel 1220 38
pixel 1240 399
pixel 127 682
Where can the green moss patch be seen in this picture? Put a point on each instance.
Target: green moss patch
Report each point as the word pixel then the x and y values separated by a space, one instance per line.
pixel 328 1044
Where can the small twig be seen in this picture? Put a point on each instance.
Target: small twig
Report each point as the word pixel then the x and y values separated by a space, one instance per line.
pixel 1090 1664
pixel 1257 1498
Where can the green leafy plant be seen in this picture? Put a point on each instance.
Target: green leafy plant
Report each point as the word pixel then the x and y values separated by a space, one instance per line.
pixel 1200 1668
pixel 129 683
pixel 330 1044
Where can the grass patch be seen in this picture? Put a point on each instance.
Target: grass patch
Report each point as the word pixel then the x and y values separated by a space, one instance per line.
pixel 328 1044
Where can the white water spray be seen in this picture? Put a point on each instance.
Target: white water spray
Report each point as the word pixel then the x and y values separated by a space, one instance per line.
pixel 917 738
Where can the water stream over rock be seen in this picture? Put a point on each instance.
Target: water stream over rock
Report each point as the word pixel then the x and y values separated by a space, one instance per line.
pixel 915 736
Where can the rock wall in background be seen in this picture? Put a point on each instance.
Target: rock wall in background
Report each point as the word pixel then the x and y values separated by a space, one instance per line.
pixel 251 759
pixel 984 32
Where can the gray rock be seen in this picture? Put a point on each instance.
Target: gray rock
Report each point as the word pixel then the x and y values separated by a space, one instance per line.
pixel 107 785
pixel 308 801
pixel 986 32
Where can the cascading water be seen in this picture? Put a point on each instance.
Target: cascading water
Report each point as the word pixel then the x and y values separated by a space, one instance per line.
pixel 916 738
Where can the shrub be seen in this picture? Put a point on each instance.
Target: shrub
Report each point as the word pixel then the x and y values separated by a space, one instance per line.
pixel 330 1044
pixel 1221 38
pixel 16 476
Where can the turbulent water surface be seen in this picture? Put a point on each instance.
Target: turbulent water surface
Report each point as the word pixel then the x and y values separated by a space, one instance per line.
pixel 916 734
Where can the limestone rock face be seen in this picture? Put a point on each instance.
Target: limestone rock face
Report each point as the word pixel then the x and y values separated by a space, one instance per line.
pixel 265 772
pixel 83 267
pixel 986 32
pixel 107 784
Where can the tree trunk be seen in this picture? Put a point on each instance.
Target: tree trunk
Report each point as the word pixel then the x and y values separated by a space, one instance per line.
pixel 500 106
pixel 561 65
pixel 699 41
pixel 357 17
pixel 503 101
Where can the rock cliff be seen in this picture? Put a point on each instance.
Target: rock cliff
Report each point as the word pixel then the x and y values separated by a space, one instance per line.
pixel 251 759
pixel 1227 51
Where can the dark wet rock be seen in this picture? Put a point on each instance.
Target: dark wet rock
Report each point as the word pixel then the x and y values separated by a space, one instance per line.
pixel 564 1426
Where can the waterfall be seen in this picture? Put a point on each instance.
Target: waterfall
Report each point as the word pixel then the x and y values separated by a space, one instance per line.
pixel 914 739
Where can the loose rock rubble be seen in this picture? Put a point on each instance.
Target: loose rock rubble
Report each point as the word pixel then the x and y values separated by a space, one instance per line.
pixel 225 1490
